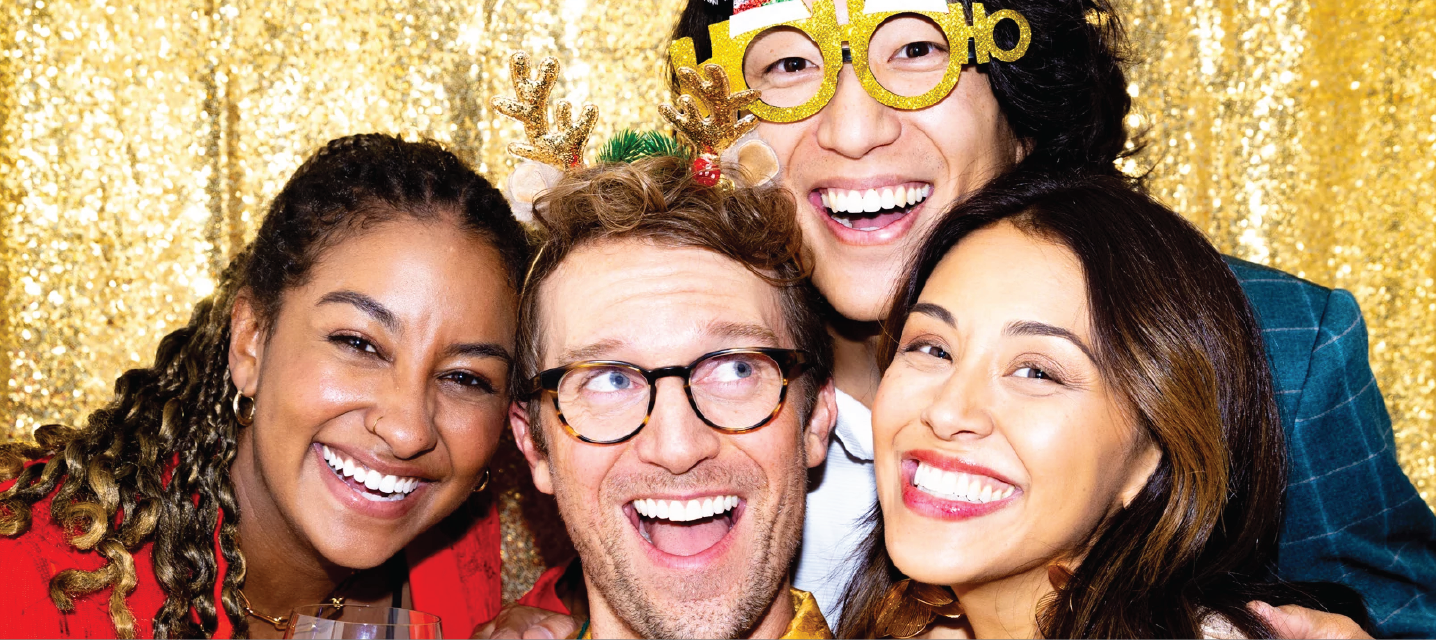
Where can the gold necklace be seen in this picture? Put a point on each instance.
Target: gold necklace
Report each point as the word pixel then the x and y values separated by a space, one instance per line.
pixel 281 623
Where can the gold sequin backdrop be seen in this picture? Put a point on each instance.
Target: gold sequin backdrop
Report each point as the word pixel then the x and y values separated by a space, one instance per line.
pixel 140 141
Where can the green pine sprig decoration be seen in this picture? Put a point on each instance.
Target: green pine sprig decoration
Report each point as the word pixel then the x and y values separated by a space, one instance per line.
pixel 629 146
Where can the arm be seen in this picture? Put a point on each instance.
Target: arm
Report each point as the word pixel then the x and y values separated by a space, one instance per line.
pixel 1352 515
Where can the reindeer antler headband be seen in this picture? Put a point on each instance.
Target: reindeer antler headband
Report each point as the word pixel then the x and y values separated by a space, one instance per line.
pixel 721 137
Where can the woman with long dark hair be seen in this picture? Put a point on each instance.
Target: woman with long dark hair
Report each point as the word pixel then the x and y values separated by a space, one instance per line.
pixel 339 395
pixel 1075 432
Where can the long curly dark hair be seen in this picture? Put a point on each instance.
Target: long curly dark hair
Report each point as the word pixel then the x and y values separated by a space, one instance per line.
pixel 159 453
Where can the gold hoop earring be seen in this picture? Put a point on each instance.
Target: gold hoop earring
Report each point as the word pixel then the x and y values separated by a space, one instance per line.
pixel 239 414
pixel 485 483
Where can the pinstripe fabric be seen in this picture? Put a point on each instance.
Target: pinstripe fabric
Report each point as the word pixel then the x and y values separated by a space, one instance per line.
pixel 1352 516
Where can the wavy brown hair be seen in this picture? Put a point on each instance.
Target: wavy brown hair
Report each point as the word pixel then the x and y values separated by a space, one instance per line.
pixel 1176 339
pixel 658 199
pixel 156 459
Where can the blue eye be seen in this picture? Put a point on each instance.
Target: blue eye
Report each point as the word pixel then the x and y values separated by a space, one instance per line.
pixel 609 382
pixel 733 370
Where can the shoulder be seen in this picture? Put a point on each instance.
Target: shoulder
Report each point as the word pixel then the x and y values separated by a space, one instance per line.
pixel 1310 331
pixel 1280 298
pixel 29 560
pixel 454 567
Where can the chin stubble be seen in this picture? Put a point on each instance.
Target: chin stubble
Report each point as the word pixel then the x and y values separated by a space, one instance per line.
pixel 705 612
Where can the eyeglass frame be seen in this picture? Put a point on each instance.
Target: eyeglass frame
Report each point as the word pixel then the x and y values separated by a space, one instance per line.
pixel 792 363
pixel 821 26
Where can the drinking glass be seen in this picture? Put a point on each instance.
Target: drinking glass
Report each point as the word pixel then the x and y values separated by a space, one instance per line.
pixel 352 621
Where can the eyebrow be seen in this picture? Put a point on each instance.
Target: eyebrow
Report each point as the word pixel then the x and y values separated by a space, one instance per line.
pixel 589 352
pixel 935 311
pixel 369 306
pixel 1031 328
pixel 744 330
pixel 479 350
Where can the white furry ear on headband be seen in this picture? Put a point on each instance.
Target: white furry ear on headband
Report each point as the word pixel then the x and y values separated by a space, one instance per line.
pixel 529 180
pixel 754 158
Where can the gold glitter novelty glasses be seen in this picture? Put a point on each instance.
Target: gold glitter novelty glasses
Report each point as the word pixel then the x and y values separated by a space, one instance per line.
pixel 907 54
pixel 733 390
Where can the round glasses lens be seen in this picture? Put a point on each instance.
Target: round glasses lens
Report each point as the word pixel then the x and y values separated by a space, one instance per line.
pixel 908 54
pixel 737 390
pixel 603 402
pixel 785 65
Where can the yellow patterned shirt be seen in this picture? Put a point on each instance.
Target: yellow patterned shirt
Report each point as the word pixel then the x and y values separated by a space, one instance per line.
pixel 807 621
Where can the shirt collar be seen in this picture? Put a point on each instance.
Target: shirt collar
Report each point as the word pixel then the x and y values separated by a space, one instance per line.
pixel 855 427
pixel 807 620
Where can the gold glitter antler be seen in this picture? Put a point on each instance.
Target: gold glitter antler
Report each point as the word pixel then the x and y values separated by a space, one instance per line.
pixel 712 133
pixel 562 148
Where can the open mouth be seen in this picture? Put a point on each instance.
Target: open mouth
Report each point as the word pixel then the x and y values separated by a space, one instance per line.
pixel 685 527
pixel 959 486
pixel 370 484
pixel 873 209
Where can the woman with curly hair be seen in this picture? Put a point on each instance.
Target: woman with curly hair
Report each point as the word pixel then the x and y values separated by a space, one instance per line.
pixel 338 397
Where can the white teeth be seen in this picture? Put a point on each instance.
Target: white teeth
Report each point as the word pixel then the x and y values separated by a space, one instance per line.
pixel 684 511
pixel 955 485
pixel 841 201
pixel 344 466
pixel 872 202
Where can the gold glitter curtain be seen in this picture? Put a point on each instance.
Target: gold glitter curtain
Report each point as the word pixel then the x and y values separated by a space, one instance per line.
pixel 140 141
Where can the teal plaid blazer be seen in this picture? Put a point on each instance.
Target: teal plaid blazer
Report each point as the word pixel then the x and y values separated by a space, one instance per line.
pixel 1352 515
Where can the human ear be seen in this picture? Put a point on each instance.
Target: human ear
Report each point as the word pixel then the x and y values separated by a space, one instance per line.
pixel 1144 463
pixel 246 344
pixel 523 436
pixel 820 424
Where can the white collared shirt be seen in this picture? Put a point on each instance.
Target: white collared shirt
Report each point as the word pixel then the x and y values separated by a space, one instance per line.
pixel 841 492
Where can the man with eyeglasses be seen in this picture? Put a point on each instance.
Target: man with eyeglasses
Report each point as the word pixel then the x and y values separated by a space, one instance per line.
pixel 673 390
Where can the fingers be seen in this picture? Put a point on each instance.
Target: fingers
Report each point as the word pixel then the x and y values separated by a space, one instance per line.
pixel 1291 621
pixel 554 626
pixel 517 621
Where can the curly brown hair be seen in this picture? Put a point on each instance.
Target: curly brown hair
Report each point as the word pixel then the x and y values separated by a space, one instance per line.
pixel 159 453
pixel 659 199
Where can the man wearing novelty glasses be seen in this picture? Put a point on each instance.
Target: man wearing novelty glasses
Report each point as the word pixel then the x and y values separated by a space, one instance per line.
pixel 883 114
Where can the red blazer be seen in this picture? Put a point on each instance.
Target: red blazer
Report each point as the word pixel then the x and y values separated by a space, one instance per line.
pixel 453 573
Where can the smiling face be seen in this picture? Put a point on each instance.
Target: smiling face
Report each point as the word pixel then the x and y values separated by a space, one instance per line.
pixel 684 531
pixel 999 446
pixel 379 391
pixel 851 163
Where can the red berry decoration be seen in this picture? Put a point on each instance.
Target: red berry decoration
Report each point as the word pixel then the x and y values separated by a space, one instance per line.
pixel 706 172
